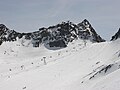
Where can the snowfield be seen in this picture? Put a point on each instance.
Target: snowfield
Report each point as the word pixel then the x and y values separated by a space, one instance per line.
pixel 80 66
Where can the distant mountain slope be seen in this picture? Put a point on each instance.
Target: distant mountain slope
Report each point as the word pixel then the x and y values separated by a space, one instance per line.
pixel 54 36
pixel 116 36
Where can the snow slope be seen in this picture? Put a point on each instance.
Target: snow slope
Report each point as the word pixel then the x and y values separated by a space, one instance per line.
pixel 80 66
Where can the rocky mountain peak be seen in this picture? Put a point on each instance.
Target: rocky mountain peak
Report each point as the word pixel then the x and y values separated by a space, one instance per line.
pixel 86 31
pixel 3 28
pixel 54 36
pixel 85 22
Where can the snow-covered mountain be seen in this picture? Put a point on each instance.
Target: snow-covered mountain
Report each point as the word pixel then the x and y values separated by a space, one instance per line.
pixel 84 64
pixel 54 36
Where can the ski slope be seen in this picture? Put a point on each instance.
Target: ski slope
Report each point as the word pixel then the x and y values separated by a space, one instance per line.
pixel 80 66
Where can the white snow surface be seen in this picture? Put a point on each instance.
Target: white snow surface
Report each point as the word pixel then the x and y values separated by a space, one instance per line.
pixel 80 66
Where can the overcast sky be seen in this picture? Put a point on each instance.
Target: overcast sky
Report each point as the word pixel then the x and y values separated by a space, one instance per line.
pixel 30 15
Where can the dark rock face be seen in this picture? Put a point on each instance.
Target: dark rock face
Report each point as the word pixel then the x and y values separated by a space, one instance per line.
pixel 54 36
pixel 116 36
pixel 11 35
pixel 86 31
pixel 6 34
pixel 59 43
